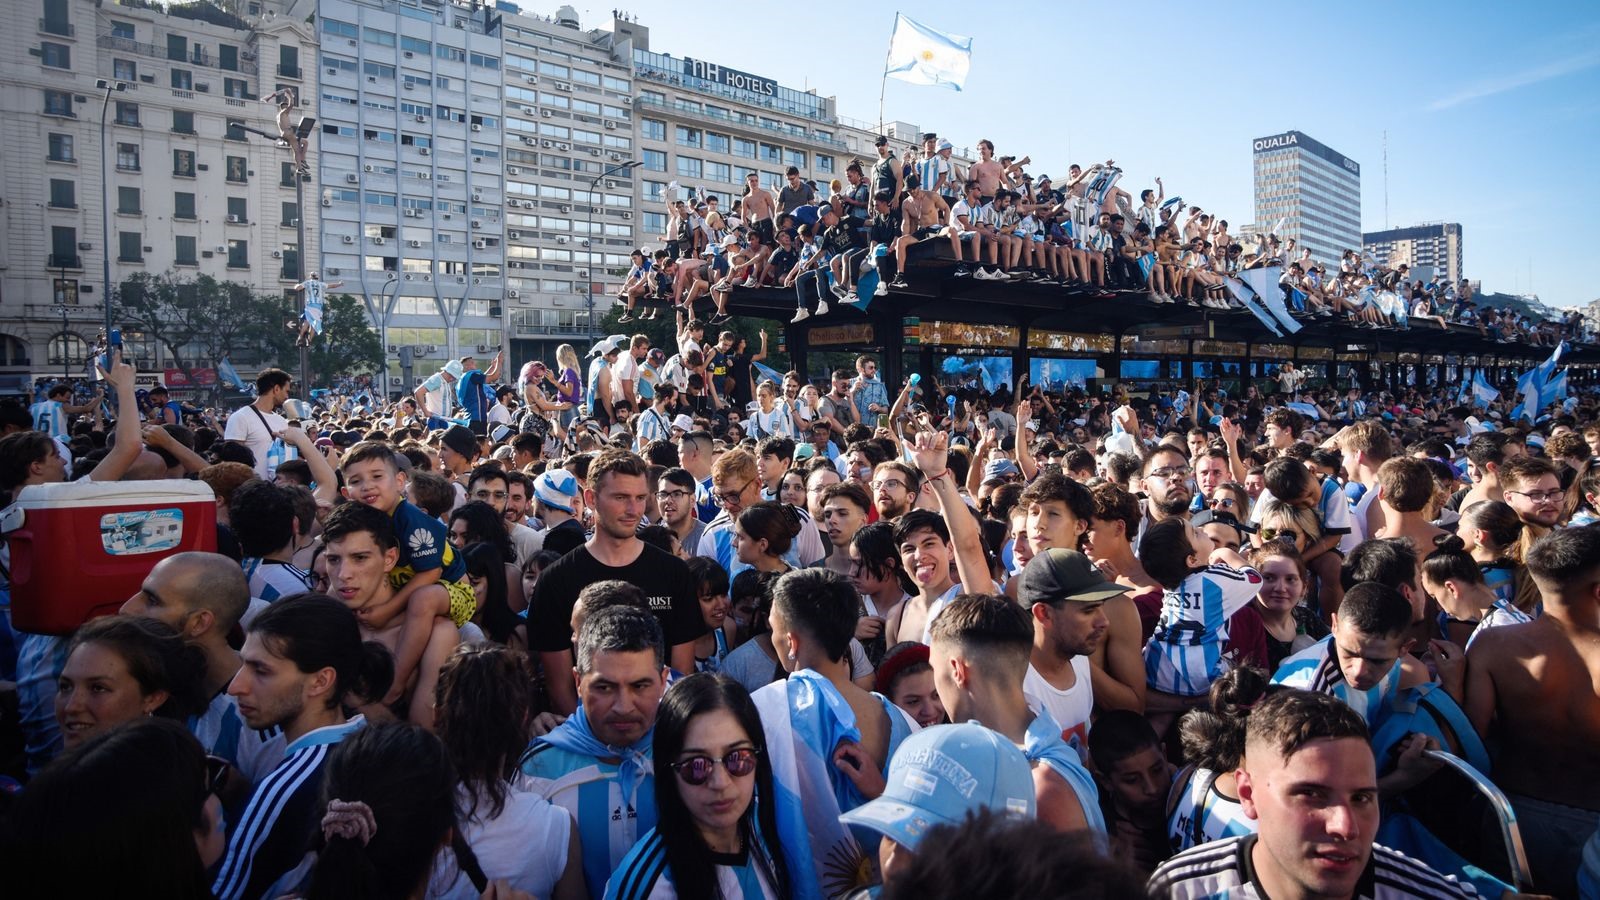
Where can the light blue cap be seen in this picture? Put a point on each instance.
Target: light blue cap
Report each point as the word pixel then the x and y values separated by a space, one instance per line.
pixel 556 488
pixel 941 774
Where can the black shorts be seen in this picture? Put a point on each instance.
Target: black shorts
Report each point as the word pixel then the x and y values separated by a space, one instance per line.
pixel 929 231
pixel 672 250
pixel 765 228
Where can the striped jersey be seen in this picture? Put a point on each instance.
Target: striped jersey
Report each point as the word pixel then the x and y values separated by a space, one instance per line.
pixel 717 542
pixel 1316 668
pixel 587 788
pixel 645 875
pixel 268 848
pixel 1501 577
pixel 223 732
pixel 652 425
pixel 1500 613
pixel 1224 870
pixel 1201 814
pixel 271 579
pixel 50 417
pixel 1184 654
pixel 1333 514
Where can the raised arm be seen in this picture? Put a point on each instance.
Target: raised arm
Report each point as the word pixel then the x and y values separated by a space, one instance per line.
pixel 158 437
pixel 1024 452
pixel 129 442
pixel 327 481
pixel 932 453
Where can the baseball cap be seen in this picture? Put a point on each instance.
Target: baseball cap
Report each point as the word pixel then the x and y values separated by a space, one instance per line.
pixel 804 451
pixel 1000 468
pixel 941 774
pixel 453 367
pixel 556 488
pixel 825 209
pixel 1060 574
pixel 608 346
pixel 881 141
pixel 945 145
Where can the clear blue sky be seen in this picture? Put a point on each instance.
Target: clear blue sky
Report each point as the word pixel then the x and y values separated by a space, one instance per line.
pixel 1492 111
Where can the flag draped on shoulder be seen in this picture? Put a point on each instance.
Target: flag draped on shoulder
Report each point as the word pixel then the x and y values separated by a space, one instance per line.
pixel 920 55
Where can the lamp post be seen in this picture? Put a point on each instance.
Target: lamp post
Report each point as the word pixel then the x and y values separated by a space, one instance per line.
pixel 60 306
pixel 109 87
pixel 393 286
pixel 588 281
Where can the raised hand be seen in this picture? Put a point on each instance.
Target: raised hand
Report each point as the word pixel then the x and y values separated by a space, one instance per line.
pixel 931 451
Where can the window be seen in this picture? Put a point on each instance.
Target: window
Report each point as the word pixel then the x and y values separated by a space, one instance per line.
pixel 341 29
pixel 824 163
pixel 236 169
pixel 55 18
pixel 655 161
pixel 654 190
pixel 122 30
pixel 127 114
pixel 291 215
pixel 233 130
pixel 716 171
pixel 183 163
pixel 237 88
pixel 182 205
pixel 377 70
pixel 63 194
pixel 60 148
pixel 771 153
pixel 286 174
pixel 238 254
pixel 653 129
pixel 483 61
pixel 128 249
pixel 228 57
pixel 184 250
pixel 128 200
pixel 416 45
pixel 58 103
pixel 288 61
pixel 64 248
pixel 67 349
pixel 687 137
pixel 688 167
pixel 453 54
pixel 744 148
pixel 377 37
pixel 796 158
pixel 238 210
pixel 182 80
pixel 56 56
pixel 654 223
pixel 177 47
pixel 717 143
pixel 183 121
pixel 127 157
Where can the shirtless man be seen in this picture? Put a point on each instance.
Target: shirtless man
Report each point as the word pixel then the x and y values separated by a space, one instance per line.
pixel 931 545
pixel 361 552
pixel 1533 687
pixel 987 172
pixel 760 212
pixel 288 135
pixel 926 215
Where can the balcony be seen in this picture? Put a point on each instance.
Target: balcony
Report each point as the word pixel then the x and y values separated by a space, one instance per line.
pixel 58 261
pixel 749 124
pixel 247 61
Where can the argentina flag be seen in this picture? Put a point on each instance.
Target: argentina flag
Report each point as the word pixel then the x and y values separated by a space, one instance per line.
pixel 1534 386
pixel 1483 393
pixel 920 55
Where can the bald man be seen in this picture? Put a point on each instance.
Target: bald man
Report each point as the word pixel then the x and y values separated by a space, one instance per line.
pixel 203 597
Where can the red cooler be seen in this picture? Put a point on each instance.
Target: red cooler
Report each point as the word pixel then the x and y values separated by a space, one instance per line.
pixel 79 550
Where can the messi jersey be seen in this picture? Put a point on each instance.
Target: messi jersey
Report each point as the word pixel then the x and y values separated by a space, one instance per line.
pixel 1184 655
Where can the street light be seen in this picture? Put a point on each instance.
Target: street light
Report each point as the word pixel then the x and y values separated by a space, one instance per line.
pixel 588 281
pixel 60 306
pixel 109 87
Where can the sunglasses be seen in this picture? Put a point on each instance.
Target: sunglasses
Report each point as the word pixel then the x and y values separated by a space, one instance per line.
pixel 216 774
pixel 1224 502
pixel 696 770
pixel 1279 534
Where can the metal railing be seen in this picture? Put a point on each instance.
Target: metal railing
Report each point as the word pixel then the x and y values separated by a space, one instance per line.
pixel 57 261
pixel 742 121
pixel 195 56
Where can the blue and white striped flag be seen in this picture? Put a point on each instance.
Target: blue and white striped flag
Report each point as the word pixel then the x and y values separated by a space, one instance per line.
pixel 1556 389
pixel 1309 410
pixel 1483 393
pixel 805 718
pixel 1534 386
pixel 768 373
pixel 920 55
pixel 230 375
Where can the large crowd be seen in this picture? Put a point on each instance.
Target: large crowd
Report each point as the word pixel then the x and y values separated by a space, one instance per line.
pixel 662 622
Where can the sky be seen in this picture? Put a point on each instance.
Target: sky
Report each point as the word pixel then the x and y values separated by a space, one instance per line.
pixel 1490 112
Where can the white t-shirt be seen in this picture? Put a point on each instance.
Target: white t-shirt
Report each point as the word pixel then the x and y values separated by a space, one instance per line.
pixel 527 542
pixel 499 415
pixel 625 369
pixel 963 208
pixel 526 845
pixel 1070 708
pixel 245 426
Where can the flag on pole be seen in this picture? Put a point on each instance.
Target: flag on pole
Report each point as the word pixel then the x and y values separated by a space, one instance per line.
pixel 1483 393
pixel 229 375
pixel 920 55
pixel 1534 387
pixel 1557 388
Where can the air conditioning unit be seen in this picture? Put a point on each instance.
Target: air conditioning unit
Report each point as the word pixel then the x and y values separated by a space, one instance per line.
pixel 409 54
pixel 610 125
pixel 616 157
pixel 327 202
pixel 333 71
pixel 480 245
pixel 477 197
pixel 565 208
pixel 513 293
pixel 477 223
pixel 531 79
pixel 427 278
pixel 545 114
pixel 411 213
pixel 477 281
pixel 393 348
pixel 410 86
pixel 563 146
pixel 333 271
pixel 427 176
pixel 477 127
pixel 562 239
pixel 461 279
pixel 611 184
pixel 514 235
pixel 433 348
pixel 349 239
pixel 413 243
pixel 594 151
pixel 352 178
pixel 513 170
pixel 547 144
pixel 277 254
pixel 627 215
pixel 422 118
pixel 426 152
pixel 563 86
pixel 222 249
pixel 528 110
pixel 378 241
pixel 235 220
pixel 367 168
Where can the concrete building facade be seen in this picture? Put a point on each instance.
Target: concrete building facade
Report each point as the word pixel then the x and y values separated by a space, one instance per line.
pixel 1435 246
pixel 1314 190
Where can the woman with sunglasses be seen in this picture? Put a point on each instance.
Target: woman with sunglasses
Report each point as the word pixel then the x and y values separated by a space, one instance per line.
pixel 712 838
pixel 1293 525
pixel 1231 497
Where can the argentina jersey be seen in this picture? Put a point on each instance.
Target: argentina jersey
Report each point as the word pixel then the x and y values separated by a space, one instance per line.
pixel 1501 577
pixel 1184 654
pixel 50 417
pixel 717 543
pixel 270 579
pixel 588 790
pixel 1202 814
pixel 1500 613
pixel 223 733
pixel 1316 668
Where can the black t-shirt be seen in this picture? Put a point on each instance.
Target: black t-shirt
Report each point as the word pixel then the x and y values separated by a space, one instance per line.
pixel 664 578
pixel 739 371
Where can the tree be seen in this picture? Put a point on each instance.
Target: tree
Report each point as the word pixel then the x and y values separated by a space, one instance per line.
pixel 222 318
pixel 347 345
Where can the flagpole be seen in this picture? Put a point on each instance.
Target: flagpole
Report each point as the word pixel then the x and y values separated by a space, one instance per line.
pixel 883 83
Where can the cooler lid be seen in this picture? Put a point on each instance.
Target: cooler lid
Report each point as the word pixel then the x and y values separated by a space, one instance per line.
pixel 113 493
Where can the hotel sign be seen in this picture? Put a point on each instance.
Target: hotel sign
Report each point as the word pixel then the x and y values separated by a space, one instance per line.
pixel 739 81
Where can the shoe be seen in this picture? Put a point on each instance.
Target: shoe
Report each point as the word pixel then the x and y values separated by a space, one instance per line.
pixel 800 315
pixel 749 282
pixel 1000 275
pixel 723 285
pixel 900 284
pixel 882 291
pixel 624 319
pixel 822 307
pixel 839 291
pixel 851 299
pixel 982 275
pixel 960 272
pixel 1156 299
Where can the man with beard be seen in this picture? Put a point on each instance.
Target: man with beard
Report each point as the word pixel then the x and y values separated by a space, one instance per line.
pixel 1065 596
pixel 1165 473
pixel 895 485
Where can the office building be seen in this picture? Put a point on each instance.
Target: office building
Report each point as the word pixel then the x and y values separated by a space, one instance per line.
pixel 1434 247
pixel 178 189
pixel 1315 191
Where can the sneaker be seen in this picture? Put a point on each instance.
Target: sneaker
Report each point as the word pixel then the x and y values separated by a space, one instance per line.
pixel 839 291
pixel 749 282
pixel 723 285
pixel 800 315
pixel 883 290
pixel 851 299
pixel 822 307
pixel 960 272
pixel 899 283
pixel 1000 275
pixel 982 275
pixel 719 318
pixel 624 319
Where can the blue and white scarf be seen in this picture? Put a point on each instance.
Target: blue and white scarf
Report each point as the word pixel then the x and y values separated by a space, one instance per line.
pixel 574 736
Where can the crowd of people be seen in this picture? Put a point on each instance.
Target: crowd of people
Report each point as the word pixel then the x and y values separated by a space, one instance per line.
pixel 678 627
pixel 1083 233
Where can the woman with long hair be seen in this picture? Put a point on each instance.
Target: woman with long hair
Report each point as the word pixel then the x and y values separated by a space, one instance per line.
pixel 1276 624
pixel 763 533
pixel 530 380
pixel 129 812
pixel 792 488
pixel 1491 531
pixel 120 669
pixel 1279 521
pixel 1583 496
pixel 716 834
pixel 1467 605
pixel 1207 807
pixel 568 382
pixel 487 572
pixel 711 588
pixel 485 704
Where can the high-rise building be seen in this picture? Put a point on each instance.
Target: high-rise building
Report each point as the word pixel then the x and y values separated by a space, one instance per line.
pixel 1314 190
pixel 177 188
pixel 1435 246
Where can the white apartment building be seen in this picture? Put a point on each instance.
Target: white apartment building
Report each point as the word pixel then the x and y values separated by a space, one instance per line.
pixel 411 175
pixel 177 190
pixel 1434 247
pixel 1314 190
